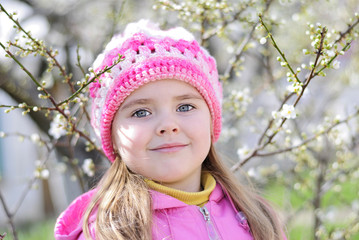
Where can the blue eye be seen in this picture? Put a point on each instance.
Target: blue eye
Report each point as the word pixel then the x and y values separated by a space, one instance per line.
pixel 141 113
pixel 185 108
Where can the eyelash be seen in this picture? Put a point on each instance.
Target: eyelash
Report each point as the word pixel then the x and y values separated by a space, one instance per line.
pixel 186 105
pixel 136 113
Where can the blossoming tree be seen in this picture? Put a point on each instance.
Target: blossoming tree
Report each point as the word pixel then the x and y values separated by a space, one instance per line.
pixel 290 75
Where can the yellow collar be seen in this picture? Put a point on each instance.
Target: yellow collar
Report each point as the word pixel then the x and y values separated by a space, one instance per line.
pixel 191 198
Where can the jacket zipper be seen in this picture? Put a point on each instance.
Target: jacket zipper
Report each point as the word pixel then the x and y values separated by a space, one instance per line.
pixel 211 229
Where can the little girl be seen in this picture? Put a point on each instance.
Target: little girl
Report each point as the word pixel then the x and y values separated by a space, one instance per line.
pixel 158 113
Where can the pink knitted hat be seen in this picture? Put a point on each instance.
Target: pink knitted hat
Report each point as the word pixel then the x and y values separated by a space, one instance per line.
pixel 151 54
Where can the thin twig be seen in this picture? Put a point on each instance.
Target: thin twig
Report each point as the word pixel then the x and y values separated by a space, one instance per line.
pixel 41 46
pixel 305 142
pixel 40 140
pixel 348 31
pixel 261 145
pixel 345 48
pixel 316 62
pixel 106 69
pixel 2 236
pixel 206 37
pixel 277 48
pixel 31 183
pixel 48 95
pixel 78 64
pixel 9 215
pixel 53 101
pixel 312 74
pixel 23 68
pixel 27 107
pixel 75 166
pixel 259 142
pixel 240 51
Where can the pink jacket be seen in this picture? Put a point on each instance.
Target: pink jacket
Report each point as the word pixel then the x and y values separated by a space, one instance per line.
pixel 173 219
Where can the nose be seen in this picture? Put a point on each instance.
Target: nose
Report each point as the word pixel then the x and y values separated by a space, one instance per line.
pixel 167 125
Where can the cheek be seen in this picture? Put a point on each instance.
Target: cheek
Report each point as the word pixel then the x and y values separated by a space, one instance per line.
pixel 204 126
pixel 128 139
pixel 204 132
pixel 124 136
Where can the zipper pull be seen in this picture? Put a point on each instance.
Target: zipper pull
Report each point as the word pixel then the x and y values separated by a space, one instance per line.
pixel 242 220
pixel 211 229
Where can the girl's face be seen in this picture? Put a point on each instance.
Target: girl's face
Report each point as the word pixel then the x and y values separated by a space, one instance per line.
pixel 162 131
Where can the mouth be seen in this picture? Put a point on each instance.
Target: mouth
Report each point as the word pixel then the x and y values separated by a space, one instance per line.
pixel 168 148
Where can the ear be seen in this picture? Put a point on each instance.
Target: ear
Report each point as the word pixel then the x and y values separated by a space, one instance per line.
pixel 212 131
pixel 114 146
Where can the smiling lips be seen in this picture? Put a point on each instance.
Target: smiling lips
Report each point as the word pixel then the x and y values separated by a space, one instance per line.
pixel 169 148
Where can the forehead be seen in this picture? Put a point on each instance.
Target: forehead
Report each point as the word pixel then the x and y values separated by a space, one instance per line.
pixel 165 87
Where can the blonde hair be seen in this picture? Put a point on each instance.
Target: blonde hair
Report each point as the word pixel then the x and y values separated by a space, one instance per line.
pixel 263 221
pixel 124 204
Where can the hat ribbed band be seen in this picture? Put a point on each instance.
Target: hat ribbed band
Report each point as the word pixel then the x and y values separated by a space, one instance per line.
pixel 152 70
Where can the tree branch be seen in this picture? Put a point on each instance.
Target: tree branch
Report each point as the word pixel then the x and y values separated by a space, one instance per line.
pixel 240 51
pixel 9 216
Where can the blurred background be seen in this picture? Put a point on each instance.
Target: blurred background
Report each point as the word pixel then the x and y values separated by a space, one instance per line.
pixel 291 103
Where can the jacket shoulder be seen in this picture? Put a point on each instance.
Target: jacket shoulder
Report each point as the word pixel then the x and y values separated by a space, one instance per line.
pixel 69 224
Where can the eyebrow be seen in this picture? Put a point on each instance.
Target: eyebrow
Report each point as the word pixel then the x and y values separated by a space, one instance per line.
pixel 144 101
pixel 189 96
pixel 140 101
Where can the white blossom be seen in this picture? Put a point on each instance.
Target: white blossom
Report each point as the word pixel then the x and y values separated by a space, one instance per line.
pixel 240 100
pixel 22 105
pixel 295 87
pixel 336 64
pixel 228 133
pixel 35 137
pixel 41 171
pixel 45 173
pixel 275 114
pixel 331 53
pixel 252 172
pixel 263 40
pixel 230 49
pixel 242 152
pixel 88 167
pixel 288 111
pixel 61 167
pixel 57 127
pixel 295 17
